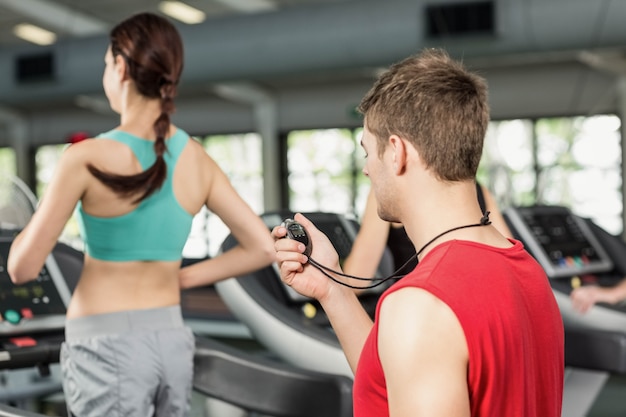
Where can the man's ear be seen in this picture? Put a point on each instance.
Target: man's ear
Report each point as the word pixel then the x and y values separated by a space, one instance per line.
pixel 399 154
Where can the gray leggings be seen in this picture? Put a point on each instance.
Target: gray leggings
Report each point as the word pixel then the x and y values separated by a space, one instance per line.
pixel 129 363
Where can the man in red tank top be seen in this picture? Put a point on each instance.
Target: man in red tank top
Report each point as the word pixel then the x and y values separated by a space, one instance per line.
pixel 474 330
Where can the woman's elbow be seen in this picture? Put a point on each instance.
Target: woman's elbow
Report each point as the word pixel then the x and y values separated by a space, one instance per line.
pixel 268 253
pixel 23 264
pixel 21 274
pixel 263 250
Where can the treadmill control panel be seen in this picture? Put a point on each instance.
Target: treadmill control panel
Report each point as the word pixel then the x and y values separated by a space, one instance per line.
pixel 40 303
pixel 560 241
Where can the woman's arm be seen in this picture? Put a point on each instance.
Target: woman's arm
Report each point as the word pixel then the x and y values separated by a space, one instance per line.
pixel 369 244
pixel 255 246
pixel 33 244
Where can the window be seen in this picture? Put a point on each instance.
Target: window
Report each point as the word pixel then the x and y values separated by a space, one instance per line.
pixel 322 170
pixel 571 161
pixel 579 163
pixel 46 160
pixel 7 162
pixel 240 157
pixel 15 206
pixel 507 165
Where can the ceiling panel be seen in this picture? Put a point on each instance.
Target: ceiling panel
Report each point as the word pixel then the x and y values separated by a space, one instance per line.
pixel 339 56
pixel 113 11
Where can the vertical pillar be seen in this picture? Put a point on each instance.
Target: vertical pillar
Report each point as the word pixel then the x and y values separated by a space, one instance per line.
pixel 621 112
pixel 266 118
pixel 265 111
pixel 17 132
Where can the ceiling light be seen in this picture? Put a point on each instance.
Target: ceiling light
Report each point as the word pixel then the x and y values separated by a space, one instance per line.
pixel 34 34
pixel 250 6
pixel 54 16
pixel 183 12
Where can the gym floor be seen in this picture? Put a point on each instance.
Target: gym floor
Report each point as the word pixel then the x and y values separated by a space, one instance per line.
pixel 612 399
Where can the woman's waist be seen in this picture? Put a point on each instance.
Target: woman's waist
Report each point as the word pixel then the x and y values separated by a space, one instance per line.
pixel 124 321
pixel 100 293
pixel 81 305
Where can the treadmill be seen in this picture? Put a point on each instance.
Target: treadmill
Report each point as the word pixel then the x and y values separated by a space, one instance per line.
pixel 32 322
pixel 575 251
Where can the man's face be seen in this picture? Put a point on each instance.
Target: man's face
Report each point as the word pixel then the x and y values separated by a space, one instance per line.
pixel 377 170
pixel 368 143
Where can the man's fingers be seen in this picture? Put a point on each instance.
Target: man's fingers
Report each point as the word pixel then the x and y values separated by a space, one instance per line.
pixel 279 232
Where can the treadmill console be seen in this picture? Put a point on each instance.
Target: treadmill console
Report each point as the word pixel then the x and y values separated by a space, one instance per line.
pixel 38 305
pixel 562 242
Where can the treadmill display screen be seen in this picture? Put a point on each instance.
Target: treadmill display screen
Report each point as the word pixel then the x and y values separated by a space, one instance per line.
pixel 561 241
pixel 41 302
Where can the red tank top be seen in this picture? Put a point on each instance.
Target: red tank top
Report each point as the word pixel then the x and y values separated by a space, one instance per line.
pixel 512 325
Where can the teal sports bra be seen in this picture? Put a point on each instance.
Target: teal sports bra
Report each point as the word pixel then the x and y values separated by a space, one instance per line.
pixel 157 229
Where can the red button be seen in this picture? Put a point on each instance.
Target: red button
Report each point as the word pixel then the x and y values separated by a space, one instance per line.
pixel 27 313
pixel 23 341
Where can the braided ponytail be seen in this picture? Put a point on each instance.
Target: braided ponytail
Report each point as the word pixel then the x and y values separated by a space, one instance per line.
pixel 152 49
pixel 161 127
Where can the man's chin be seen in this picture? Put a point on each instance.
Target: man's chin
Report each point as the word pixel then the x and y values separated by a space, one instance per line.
pixel 387 217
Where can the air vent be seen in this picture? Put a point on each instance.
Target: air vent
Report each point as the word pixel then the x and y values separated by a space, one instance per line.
pixel 460 19
pixel 34 68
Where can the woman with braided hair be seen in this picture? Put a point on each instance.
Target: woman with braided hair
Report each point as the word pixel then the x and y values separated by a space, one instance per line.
pixel 136 189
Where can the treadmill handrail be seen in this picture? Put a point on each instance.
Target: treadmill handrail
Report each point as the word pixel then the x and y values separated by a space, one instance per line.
pixel 7 411
pixel 267 386
pixel 41 355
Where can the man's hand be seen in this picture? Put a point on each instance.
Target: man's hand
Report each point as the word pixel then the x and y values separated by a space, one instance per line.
pixel 295 268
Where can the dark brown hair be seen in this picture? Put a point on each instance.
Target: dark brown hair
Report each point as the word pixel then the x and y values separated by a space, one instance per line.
pixel 153 51
pixel 435 103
